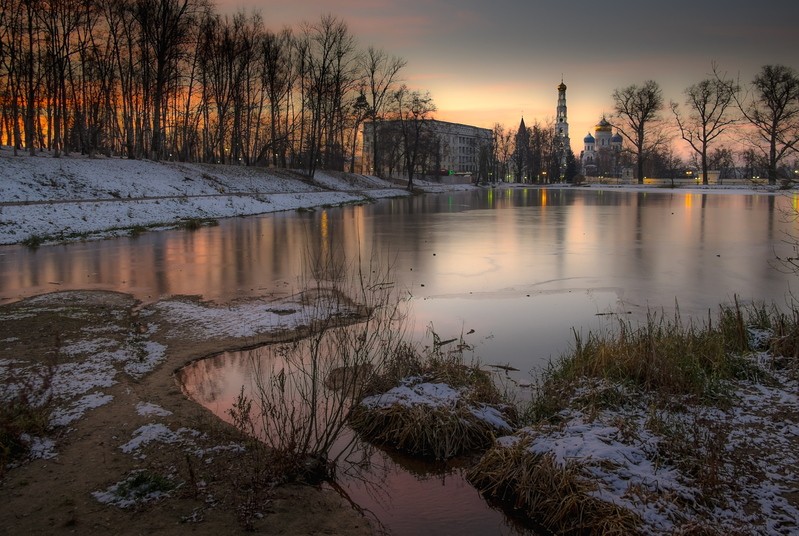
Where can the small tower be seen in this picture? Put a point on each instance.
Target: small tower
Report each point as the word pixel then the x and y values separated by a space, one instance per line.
pixel 522 153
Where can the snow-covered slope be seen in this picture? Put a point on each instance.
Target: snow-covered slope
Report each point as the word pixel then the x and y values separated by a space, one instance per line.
pixel 63 198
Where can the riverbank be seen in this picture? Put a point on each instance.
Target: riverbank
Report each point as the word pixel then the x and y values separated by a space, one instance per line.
pixel 45 199
pixel 49 200
pixel 113 446
pixel 700 435
pixel 669 427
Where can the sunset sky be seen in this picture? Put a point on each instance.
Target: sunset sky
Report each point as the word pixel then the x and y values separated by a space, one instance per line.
pixel 487 62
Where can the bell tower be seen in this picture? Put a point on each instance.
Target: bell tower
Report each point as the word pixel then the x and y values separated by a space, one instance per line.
pixel 562 142
pixel 562 125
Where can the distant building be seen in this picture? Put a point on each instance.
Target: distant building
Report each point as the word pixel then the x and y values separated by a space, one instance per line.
pixel 447 149
pixel 601 152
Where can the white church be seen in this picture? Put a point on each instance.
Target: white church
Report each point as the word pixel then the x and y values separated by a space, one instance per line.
pixel 600 155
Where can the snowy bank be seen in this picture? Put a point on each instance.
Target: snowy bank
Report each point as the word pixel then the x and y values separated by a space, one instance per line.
pixel 78 197
pixel 619 452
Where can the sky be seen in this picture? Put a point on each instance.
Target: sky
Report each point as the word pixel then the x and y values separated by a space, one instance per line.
pixel 487 62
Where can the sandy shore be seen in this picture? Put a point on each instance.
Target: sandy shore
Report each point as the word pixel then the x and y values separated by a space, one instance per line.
pixel 119 412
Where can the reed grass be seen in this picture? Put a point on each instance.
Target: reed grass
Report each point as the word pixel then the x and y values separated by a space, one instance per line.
pixel 664 356
pixel 666 366
pixel 425 430
pixel 556 496
pixel 440 433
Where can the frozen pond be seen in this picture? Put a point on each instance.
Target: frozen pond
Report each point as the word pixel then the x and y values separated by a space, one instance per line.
pixel 514 270
pixel 519 266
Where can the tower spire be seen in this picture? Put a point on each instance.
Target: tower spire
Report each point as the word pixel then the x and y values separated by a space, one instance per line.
pixel 562 142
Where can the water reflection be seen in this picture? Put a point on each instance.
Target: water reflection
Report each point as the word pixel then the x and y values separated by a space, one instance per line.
pixel 519 267
pixel 405 496
pixel 525 263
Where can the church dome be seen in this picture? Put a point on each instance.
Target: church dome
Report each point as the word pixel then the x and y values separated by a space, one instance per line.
pixel 589 138
pixel 562 86
pixel 603 125
pixel 616 138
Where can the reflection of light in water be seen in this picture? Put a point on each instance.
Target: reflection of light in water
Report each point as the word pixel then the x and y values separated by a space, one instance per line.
pixel 324 235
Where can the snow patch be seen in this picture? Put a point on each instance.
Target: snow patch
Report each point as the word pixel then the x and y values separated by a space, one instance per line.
pixel 157 432
pixel 146 408
pixel 63 416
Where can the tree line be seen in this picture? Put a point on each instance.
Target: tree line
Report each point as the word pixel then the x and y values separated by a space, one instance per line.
pixel 174 79
pixel 762 118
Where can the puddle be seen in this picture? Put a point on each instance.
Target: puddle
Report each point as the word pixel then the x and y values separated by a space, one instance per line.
pixel 400 494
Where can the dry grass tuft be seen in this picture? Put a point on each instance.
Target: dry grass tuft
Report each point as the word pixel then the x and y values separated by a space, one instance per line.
pixel 665 365
pixel 555 496
pixel 440 431
pixel 664 357
pixel 26 404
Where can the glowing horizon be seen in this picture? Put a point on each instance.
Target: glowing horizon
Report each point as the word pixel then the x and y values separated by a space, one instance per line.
pixel 487 64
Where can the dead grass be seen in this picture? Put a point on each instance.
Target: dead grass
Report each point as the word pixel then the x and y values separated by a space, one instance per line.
pixel 673 368
pixel 437 431
pixel 665 357
pixel 26 404
pixel 558 497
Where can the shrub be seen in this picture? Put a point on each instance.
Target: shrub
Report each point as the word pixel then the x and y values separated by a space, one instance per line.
pixel 34 241
pixel 25 411
pixel 304 389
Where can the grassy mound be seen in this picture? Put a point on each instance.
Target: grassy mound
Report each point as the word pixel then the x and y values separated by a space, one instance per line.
pixel 433 405
pixel 640 430
pixel 557 496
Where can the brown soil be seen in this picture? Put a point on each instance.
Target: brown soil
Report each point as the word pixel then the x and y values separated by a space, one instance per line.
pixel 220 492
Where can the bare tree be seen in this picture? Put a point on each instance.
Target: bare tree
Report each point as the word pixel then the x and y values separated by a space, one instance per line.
pixel 120 23
pixel 165 27
pixel 60 20
pixel 158 78
pixel 327 48
pixel 502 149
pixel 360 111
pixel 380 72
pixel 542 145
pixel 637 110
pixel 414 109
pixel 773 111
pixel 12 30
pixel 709 104
pixel 278 76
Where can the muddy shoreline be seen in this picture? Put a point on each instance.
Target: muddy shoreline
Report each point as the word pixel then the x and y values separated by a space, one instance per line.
pixel 126 354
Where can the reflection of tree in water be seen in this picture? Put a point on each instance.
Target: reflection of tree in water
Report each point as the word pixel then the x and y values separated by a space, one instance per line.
pixel 371 478
pixel 204 380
